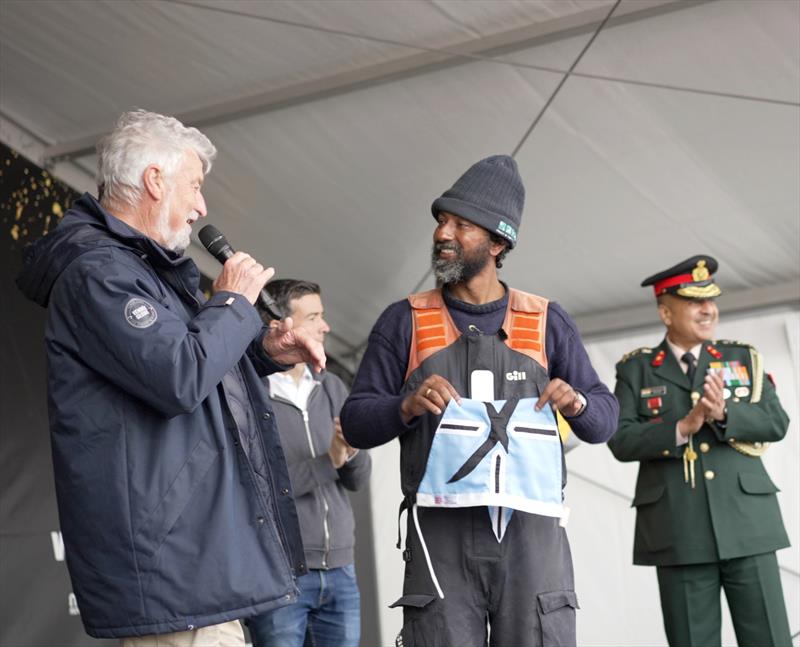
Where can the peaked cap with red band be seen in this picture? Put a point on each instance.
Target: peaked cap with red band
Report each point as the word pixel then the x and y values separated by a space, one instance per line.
pixel 690 279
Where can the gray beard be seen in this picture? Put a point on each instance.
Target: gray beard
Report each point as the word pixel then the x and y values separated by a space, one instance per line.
pixel 459 269
pixel 174 241
pixel 447 271
pixel 179 242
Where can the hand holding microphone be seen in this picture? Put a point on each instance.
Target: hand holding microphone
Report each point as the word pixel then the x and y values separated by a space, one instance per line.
pixel 244 275
pixel 241 273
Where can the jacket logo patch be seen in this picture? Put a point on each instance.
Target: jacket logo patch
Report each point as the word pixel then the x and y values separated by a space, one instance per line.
pixel 516 376
pixel 139 313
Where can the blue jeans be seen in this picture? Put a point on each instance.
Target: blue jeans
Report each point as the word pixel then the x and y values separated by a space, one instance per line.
pixel 327 613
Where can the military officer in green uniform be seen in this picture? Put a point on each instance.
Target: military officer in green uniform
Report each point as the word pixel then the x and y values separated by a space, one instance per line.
pixel 697 414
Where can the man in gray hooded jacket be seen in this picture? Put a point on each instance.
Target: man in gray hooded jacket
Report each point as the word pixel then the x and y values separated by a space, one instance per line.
pixel 322 467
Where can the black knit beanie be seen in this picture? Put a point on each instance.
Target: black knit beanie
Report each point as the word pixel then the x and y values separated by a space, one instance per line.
pixel 490 194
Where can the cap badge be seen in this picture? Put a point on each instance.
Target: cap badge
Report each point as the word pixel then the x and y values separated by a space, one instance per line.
pixel 700 272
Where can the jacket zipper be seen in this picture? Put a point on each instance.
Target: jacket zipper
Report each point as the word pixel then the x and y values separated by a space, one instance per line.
pixel 178 275
pixel 325 529
pixel 326 533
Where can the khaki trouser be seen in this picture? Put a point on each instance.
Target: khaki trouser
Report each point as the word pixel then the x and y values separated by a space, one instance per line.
pixel 227 634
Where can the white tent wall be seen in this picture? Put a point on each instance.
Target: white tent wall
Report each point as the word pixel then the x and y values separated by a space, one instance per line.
pixel 678 129
pixel 619 601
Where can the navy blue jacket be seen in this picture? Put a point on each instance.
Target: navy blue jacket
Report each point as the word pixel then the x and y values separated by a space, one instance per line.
pixel 371 415
pixel 173 517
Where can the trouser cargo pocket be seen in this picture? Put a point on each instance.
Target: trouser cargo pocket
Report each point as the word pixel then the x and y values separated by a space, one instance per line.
pixel 557 618
pixel 422 625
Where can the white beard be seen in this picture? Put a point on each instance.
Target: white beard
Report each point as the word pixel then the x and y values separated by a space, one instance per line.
pixel 175 241
pixel 179 240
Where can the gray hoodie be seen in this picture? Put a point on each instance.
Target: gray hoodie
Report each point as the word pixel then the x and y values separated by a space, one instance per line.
pixel 323 506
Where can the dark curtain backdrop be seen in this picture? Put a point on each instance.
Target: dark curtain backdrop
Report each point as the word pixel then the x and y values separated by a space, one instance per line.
pixel 37 607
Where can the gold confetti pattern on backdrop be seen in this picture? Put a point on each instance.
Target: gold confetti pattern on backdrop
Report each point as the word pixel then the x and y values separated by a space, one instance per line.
pixel 31 200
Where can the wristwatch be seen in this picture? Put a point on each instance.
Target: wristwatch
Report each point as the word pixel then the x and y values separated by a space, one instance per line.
pixel 723 424
pixel 720 424
pixel 582 399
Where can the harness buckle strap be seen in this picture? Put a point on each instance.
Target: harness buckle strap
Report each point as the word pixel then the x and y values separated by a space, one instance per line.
pixel 404 505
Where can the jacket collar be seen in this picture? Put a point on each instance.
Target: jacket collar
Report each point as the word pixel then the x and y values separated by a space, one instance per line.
pixel 156 254
pixel 702 367
pixel 670 369
pixel 185 275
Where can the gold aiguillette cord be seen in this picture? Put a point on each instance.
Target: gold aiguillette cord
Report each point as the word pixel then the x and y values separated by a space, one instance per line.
pixel 689 458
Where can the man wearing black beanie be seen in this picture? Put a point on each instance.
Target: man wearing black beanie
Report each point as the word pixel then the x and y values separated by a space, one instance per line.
pixel 468 376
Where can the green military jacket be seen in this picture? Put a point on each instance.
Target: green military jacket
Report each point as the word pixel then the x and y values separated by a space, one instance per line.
pixel 733 509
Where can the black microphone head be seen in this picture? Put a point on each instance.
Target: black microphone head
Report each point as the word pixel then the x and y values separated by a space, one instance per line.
pixel 213 240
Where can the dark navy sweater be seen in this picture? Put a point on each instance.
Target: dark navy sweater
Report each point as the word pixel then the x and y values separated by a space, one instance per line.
pixel 371 415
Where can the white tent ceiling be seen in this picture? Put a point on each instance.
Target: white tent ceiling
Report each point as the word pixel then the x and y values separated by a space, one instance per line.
pixel 337 123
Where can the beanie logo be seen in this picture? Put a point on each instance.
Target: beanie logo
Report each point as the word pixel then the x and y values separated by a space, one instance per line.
pixel 507 230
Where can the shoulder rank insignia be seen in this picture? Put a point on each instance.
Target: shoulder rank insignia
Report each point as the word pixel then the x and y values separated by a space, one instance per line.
pixel 732 342
pixel 658 360
pixel 636 352
pixel 713 352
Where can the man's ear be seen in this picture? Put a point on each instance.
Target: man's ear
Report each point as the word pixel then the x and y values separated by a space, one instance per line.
pixel 665 314
pixel 496 248
pixel 153 181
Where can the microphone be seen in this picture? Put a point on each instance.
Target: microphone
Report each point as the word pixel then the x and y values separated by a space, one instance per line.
pixel 218 246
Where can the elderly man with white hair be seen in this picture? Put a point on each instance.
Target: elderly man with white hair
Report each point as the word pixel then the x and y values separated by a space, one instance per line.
pixel 173 492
